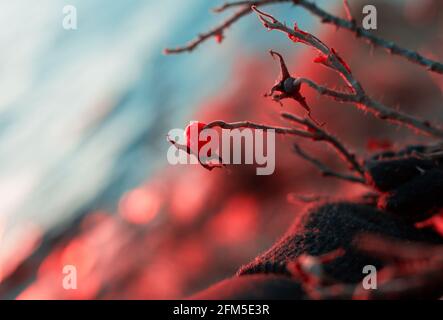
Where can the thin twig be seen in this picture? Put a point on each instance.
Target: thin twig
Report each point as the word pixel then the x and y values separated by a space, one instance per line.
pixel 228 5
pixel 351 25
pixel 212 33
pixel 390 46
pixel 348 11
pixel 313 132
pixel 220 29
pixel 337 95
pixel 323 135
pixel 378 109
pixel 205 163
pixel 325 170
pixel 251 125
pixel 335 62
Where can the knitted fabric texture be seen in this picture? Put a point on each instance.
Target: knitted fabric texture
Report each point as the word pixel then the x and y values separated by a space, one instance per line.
pixel 334 226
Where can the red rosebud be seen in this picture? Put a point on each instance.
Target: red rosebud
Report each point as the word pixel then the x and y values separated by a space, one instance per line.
pixel 195 128
pixel 219 37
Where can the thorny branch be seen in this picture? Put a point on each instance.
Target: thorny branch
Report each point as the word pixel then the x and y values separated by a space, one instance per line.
pixel 359 32
pixel 314 132
pixel 215 32
pixel 289 87
pixel 330 58
pixel 205 163
pixel 336 95
pixel 323 135
pixel 412 268
pixel 349 24
pixel 252 125
pixel 324 169
pixel 348 12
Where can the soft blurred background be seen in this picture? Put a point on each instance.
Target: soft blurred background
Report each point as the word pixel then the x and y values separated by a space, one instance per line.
pixel 84 114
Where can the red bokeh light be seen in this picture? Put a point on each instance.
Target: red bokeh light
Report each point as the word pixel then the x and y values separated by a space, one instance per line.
pixel 140 206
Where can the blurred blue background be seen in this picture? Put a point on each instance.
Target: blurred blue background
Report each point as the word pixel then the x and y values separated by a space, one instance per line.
pixel 84 113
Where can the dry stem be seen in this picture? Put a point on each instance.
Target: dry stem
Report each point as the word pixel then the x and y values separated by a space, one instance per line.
pixel 313 132
pixel 348 24
pixel 358 96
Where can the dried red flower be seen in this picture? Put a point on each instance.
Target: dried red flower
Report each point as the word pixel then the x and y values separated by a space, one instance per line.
pixel 198 127
pixel 287 86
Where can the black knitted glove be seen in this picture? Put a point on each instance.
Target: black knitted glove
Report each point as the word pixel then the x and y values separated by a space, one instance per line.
pixel 411 186
pixel 411 182
pixel 334 226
